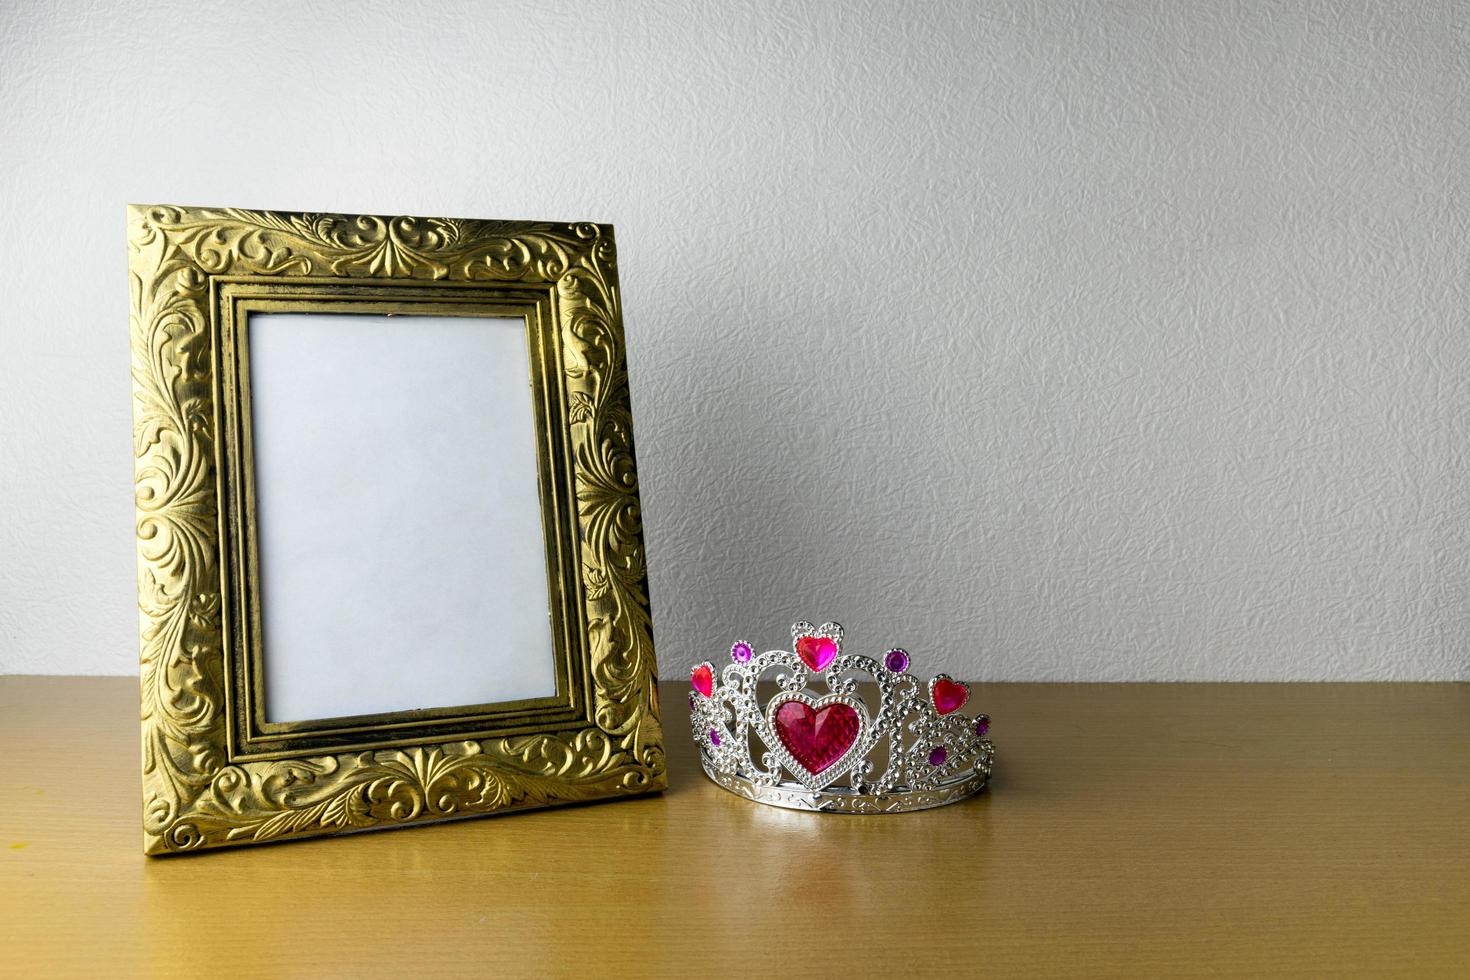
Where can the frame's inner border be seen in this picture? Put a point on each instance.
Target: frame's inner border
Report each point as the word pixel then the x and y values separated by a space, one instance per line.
pixel 250 736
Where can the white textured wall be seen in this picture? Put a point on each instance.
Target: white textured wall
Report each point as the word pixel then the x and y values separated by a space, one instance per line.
pixel 1077 339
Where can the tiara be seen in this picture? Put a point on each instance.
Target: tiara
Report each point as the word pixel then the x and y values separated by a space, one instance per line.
pixel 827 750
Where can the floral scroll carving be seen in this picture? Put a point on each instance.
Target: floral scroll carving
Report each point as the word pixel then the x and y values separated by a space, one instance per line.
pixel 194 795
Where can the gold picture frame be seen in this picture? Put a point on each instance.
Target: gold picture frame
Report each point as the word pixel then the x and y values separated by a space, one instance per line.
pixel 215 771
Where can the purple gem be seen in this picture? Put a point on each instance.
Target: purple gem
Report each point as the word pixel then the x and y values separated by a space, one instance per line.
pixel 897 661
pixel 937 755
pixel 740 652
pixel 714 738
pixel 982 725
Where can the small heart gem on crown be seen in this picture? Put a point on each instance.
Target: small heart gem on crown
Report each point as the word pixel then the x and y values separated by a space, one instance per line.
pixel 703 679
pixel 816 651
pixel 949 696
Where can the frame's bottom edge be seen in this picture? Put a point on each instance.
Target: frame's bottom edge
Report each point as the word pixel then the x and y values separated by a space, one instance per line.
pixel 154 845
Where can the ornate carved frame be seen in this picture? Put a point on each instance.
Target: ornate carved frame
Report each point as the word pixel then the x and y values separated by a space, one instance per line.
pixel 214 774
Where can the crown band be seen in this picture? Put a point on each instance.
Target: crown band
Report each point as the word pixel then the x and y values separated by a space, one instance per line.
pixel 830 751
pixel 793 796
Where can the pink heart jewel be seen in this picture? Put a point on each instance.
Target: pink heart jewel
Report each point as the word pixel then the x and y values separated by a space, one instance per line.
pixel 816 651
pixel 816 737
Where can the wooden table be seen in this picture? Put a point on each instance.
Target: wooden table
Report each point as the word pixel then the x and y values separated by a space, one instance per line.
pixel 1134 830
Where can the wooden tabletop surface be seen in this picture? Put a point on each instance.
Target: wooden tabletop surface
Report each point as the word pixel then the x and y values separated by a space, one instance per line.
pixel 1132 830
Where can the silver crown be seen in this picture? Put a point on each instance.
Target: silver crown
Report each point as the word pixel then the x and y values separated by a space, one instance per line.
pixel 829 749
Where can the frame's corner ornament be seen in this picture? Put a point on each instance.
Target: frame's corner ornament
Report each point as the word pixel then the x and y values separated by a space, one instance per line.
pixel 211 775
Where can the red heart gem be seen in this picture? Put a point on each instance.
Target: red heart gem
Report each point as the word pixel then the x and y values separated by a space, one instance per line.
pixel 816 651
pixel 704 679
pixel 816 737
pixel 949 695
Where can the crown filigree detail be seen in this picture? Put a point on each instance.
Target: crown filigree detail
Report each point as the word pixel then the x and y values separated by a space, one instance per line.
pixel 836 731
